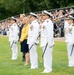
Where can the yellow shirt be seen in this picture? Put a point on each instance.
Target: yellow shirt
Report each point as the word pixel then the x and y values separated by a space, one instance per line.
pixel 24 33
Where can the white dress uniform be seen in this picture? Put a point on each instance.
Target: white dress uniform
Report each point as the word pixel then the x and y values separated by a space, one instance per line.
pixel 32 41
pixel 70 42
pixel 13 38
pixel 47 37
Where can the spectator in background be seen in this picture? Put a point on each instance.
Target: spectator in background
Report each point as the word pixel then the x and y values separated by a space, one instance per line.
pixel 66 11
pixel 71 10
pixel 21 23
pixel 8 26
pixel 59 24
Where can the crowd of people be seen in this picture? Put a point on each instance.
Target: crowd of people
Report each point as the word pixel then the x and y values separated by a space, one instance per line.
pixel 27 29
pixel 3 28
pixel 58 19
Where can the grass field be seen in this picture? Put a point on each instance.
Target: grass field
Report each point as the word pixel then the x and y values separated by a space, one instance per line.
pixel 9 67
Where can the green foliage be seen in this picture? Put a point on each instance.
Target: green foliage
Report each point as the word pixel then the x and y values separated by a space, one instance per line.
pixel 14 7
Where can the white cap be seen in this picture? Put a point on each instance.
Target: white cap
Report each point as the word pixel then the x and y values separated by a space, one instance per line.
pixel 46 12
pixel 33 14
pixel 13 18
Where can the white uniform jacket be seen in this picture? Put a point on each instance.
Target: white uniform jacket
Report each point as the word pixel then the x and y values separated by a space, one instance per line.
pixel 70 34
pixel 47 33
pixel 13 33
pixel 33 32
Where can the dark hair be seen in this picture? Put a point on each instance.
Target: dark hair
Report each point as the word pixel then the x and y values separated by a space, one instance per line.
pixel 35 16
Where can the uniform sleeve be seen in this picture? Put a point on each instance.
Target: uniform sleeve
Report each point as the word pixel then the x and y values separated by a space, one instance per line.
pixel 36 32
pixel 16 31
pixel 65 28
pixel 24 34
pixel 65 24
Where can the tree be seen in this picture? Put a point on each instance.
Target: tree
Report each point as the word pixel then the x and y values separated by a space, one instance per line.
pixel 15 7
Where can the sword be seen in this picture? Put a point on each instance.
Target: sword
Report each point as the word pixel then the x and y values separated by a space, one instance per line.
pixel 32 46
pixel 43 53
pixel 72 50
pixel 12 44
pixel 44 50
